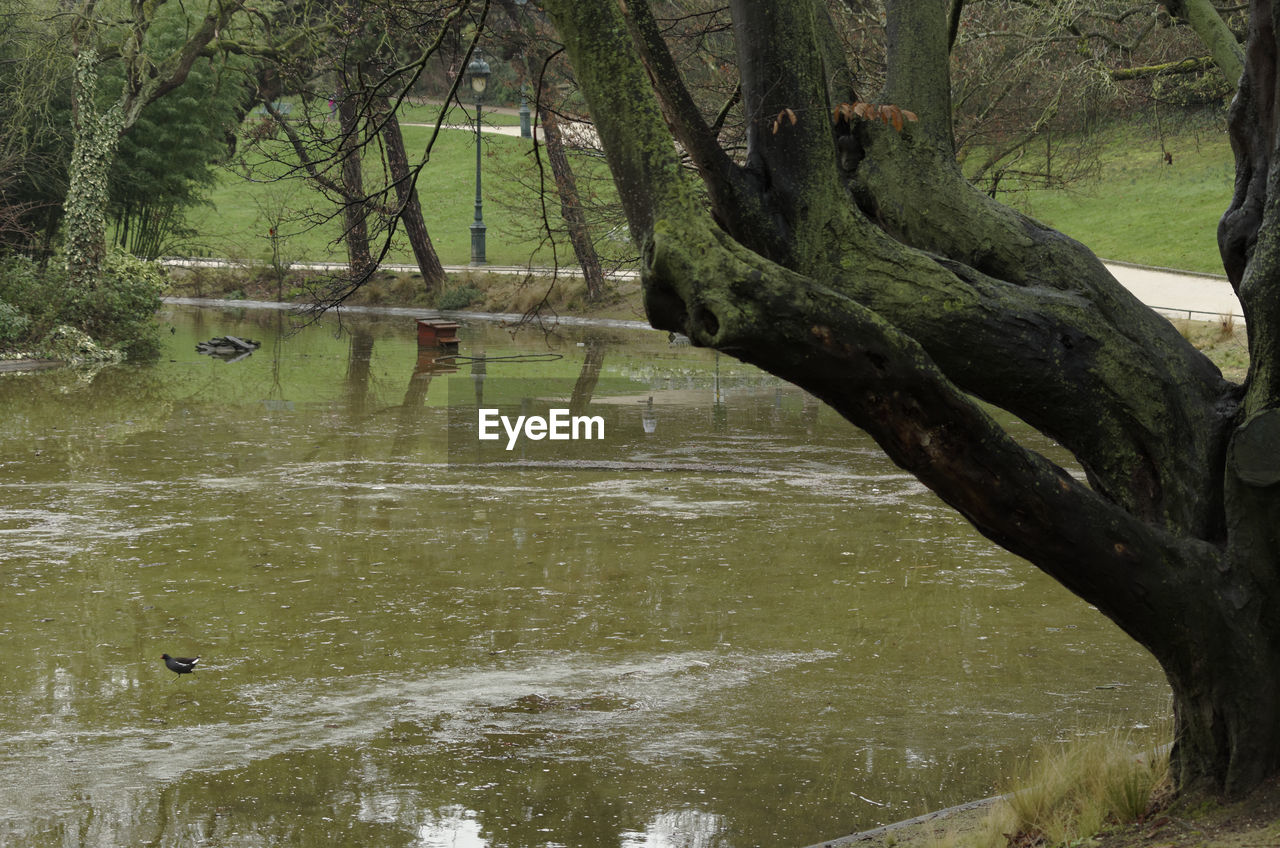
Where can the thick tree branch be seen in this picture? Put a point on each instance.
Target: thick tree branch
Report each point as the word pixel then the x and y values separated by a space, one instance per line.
pixel 886 384
pixel 685 117
pixel 1165 434
pixel 700 282
pixel 790 157
pixel 1214 32
pixel 730 188
pixel 1164 69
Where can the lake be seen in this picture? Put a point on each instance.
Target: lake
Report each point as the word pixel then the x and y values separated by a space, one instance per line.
pixel 727 621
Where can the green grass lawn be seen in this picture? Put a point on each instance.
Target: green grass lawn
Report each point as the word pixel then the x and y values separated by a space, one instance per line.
pixel 241 213
pixel 1141 209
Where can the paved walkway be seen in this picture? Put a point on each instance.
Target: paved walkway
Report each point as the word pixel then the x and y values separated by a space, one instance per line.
pixel 1198 296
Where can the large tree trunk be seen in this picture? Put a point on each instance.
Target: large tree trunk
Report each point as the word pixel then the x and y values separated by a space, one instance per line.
pixel 410 208
pixel 355 204
pixel 95 137
pixel 96 132
pixel 851 257
pixel 1249 239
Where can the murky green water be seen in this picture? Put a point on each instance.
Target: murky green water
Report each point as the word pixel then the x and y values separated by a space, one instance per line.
pixel 744 628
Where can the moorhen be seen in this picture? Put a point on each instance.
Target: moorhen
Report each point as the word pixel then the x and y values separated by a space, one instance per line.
pixel 180 665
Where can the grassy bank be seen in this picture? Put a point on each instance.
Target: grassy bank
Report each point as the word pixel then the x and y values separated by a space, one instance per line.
pixel 241 214
pixel 1141 207
pixel 260 211
pixel 1138 207
pixel 476 291
pixel 1101 792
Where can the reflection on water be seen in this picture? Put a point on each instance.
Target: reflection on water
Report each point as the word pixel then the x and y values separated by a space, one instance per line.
pixel 731 622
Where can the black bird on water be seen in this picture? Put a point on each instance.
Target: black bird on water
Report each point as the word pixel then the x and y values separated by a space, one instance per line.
pixel 180 665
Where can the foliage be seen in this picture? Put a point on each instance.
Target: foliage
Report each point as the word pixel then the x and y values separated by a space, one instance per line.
pixel 73 345
pixel 167 161
pixel 150 73
pixel 41 295
pixel 35 100
pixel 13 323
pixel 119 314
pixel 459 298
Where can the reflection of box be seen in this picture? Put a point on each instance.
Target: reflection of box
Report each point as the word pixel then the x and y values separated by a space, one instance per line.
pixel 429 364
pixel 437 333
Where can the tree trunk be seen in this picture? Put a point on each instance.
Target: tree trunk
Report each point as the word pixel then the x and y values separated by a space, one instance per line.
pixel 410 208
pixel 96 133
pixel 1249 240
pixel 355 205
pixel 851 257
pixel 95 139
pixel 570 206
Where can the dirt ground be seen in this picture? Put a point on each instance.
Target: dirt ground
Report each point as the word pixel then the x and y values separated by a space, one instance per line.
pixel 1251 823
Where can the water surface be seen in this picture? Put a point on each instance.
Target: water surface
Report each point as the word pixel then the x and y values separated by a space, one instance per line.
pixel 732 622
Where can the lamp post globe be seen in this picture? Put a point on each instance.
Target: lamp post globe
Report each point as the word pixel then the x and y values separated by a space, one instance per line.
pixel 478 77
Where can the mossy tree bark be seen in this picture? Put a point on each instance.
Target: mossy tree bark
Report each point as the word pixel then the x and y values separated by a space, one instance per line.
pixel 853 259
pixel 1208 24
pixel 96 131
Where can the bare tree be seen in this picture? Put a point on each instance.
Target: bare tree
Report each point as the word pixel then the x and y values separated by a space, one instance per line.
pixel 347 68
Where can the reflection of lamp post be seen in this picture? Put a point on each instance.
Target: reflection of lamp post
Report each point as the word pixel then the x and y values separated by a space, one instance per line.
pixel 479 366
pixel 648 418
pixel 478 75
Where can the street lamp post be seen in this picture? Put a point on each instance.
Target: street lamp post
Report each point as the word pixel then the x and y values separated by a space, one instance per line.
pixel 478 75
pixel 526 129
pixel 525 123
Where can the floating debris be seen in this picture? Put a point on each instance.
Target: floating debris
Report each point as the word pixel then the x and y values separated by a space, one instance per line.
pixel 229 348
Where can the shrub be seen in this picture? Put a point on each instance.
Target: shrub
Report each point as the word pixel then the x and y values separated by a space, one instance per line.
pixel 73 345
pixel 120 311
pixel 459 298
pixel 14 324
pixel 40 294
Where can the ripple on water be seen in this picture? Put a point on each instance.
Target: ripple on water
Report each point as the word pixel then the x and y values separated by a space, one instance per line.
pixel 559 697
